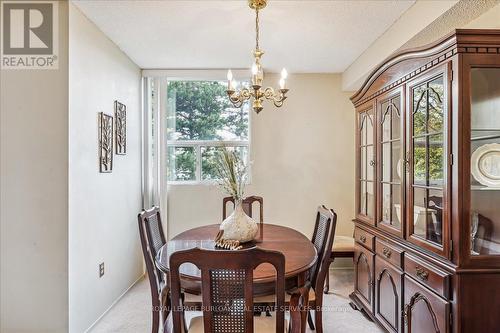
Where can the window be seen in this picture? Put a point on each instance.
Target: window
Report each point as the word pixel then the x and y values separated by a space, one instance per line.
pixel 200 121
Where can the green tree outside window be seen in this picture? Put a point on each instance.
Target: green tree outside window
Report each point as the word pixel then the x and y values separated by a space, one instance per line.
pixel 200 110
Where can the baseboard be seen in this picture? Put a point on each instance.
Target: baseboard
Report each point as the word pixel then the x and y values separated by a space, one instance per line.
pixel 114 303
pixel 343 268
pixel 342 263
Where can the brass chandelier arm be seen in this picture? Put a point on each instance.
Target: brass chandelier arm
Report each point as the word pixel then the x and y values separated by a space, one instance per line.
pixel 277 98
pixel 238 98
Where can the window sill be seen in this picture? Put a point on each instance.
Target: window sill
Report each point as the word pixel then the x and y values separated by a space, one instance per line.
pixel 196 183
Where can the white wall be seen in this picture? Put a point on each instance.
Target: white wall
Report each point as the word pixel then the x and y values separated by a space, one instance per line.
pixel 465 14
pixel 489 20
pixel 34 195
pixel 410 23
pixel 303 156
pixel 103 208
pixel 424 23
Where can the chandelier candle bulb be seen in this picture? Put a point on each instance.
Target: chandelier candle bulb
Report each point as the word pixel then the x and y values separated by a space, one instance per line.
pixel 284 73
pixel 229 75
pixel 282 83
pixel 230 83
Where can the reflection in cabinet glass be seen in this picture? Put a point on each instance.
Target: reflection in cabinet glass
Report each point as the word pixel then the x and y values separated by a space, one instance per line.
pixel 485 161
pixel 428 118
pixel 391 165
pixel 366 177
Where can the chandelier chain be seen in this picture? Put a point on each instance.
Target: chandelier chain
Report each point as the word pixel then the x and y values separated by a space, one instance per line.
pixel 256 29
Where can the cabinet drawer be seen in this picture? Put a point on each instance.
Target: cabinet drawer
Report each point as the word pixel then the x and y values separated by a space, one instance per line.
pixel 428 275
pixel 389 252
pixel 364 238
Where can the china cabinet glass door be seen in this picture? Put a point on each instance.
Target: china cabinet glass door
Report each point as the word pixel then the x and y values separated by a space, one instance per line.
pixel 366 206
pixel 391 164
pixel 485 161
pixel 427 163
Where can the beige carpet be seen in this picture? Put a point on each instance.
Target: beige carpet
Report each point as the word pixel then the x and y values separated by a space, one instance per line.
pixel 132 313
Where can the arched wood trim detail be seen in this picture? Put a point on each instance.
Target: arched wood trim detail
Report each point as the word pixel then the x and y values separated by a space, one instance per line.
pixel 409 307
pixel 365 118
pixel 422 94
pixel 363 257
pixel 394 290
pixel 389 108
pixel 363 121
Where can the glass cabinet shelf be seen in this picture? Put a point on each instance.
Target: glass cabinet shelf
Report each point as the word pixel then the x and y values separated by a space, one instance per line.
pixel 479 134
pixel 483 188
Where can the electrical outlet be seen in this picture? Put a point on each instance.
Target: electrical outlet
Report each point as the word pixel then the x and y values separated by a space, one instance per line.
pixel 101 269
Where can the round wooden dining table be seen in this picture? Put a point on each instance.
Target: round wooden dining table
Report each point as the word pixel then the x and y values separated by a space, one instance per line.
pixel 300 256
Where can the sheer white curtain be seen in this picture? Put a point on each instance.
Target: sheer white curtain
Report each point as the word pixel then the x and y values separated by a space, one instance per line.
pixel 154 178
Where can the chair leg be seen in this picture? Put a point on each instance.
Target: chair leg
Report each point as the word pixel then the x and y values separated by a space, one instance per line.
pixel 165 308
pixel 327 284
pixel 318 317
pixel 155 311
pixel 310 320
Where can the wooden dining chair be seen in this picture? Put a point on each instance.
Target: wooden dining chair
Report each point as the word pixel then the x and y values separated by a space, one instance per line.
pixel 247 205
pixel 227 293
pixel 323 235
pixel 152 239
pixel 324 231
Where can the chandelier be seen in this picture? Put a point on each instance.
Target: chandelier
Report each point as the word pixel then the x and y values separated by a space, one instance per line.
pixel 238 97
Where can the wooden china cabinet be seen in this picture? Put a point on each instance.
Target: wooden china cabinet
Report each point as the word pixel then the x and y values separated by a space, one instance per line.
pixel 427 229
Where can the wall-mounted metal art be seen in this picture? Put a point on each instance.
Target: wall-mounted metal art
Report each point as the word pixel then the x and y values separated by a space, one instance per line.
pixel 105 142
pixel 121 128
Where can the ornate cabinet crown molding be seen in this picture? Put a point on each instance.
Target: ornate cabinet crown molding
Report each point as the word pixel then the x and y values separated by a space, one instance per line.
pixel 459 41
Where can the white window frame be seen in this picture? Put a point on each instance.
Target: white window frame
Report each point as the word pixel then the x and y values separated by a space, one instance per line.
pixel 161 77
pixel 197 144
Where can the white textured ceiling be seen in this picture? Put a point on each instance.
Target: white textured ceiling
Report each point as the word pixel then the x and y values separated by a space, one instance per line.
pixel 303 36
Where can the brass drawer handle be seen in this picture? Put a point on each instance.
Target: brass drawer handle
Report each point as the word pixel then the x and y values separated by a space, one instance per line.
pixel 422 274
pixel 386 252
pixel 362 238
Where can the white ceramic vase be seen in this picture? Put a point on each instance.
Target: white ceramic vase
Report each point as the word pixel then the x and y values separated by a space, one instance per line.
pixel 239 226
